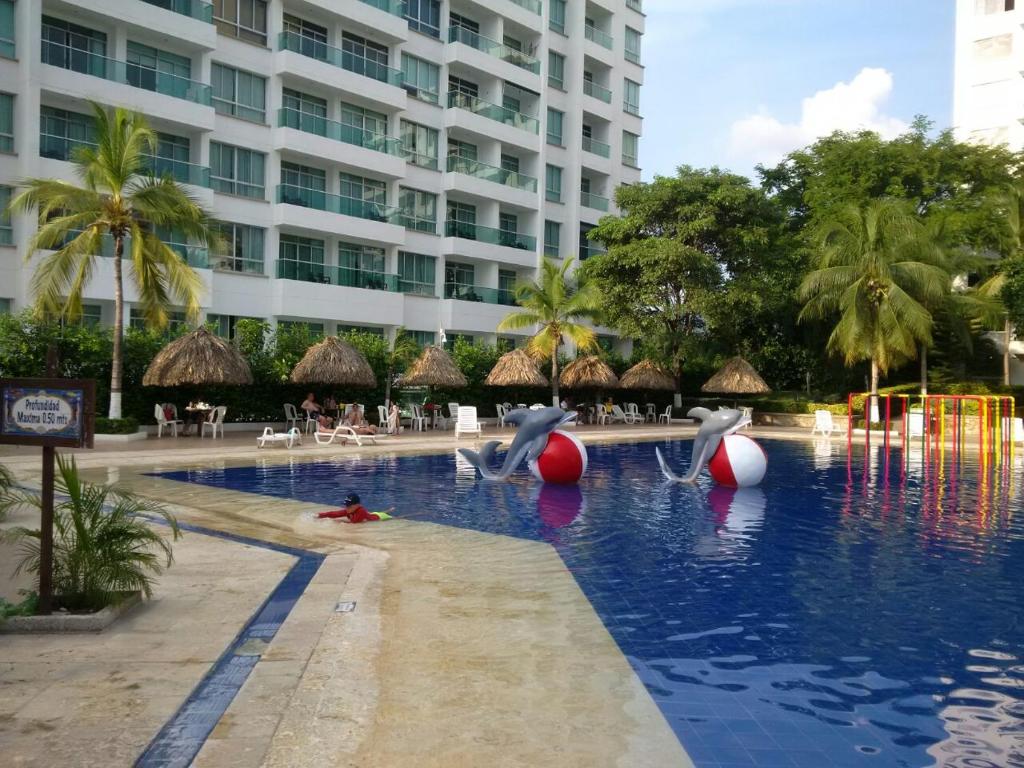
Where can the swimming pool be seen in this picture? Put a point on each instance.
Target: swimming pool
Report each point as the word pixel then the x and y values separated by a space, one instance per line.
pixel 810 622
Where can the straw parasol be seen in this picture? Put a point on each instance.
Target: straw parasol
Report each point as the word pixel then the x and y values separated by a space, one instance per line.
pixel 516 369
pixel 736 377
pixel 333 361
pixel 433 368
pixel 199 357
pixel 588 372
pixel 647 375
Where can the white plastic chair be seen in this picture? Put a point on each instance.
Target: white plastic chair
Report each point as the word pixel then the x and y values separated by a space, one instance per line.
pixel 1017 434
pixel 382 416
pixel 748 414
pixel 313 421
pixel 215 421
pixel 466 422
pixel 162 421
pixel 666 417
pixel 291 416
pixel 823 423
pixel 632 414
pixel 419 421
pixel 502 410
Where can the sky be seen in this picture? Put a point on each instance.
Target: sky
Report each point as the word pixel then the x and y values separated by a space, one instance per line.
pixel 734 83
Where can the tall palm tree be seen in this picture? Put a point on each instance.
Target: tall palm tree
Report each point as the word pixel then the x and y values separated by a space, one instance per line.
pixel 118 197
pixel 880 271
pixel 403 350
pixel 556 304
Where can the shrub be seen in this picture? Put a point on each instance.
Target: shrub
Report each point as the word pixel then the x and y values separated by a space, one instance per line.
pixel 126 426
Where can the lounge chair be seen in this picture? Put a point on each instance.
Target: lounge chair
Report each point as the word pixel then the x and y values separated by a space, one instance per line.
pixel 344 432
pixel 270 437
pixel 617 415
pixel 162 421
pixel 632 414
pixel 466 422
pixel 824 423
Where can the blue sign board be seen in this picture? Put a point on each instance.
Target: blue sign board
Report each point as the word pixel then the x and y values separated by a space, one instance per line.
pixel 55 412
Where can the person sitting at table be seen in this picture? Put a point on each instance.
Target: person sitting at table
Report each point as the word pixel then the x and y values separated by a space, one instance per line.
pixel 330 406
pixel 310 406
pixel 360 426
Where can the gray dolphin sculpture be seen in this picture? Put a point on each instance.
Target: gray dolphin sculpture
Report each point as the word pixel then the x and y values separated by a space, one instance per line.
pixel 714 425
pixel 529 442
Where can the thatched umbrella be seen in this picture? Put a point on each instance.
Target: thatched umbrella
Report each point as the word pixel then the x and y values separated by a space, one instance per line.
pixel 736 377
pixel 588 372
pixel 516 369
pixel 198 358
pixel 334 361
pixel 647 375
pixel 433 368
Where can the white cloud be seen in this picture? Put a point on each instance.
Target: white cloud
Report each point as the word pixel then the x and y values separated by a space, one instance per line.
pixel 856 105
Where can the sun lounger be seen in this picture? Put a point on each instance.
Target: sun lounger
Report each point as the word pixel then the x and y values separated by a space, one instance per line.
pixel 344 432
pixel 270 437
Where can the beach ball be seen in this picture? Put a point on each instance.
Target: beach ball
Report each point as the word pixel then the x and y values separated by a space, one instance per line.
pixel 564 459
pixel 739 462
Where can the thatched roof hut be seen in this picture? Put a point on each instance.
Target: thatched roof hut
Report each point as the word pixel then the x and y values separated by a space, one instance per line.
pixel 516 369
pixel 647 375
pixel 736 377
pixel 199 358
pixel 433 368
pixel 334 361
pixel 588 372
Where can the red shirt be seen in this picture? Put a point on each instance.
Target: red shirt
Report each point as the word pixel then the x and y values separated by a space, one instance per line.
pixel 358 515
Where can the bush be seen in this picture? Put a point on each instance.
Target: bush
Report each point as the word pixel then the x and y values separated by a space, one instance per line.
pixel 27 606
pixel 126 426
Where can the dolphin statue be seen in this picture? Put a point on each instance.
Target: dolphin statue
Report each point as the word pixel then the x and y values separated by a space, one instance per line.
pixel 529 442
pixel 714 425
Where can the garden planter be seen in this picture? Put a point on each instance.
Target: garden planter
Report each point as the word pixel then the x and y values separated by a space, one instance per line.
pixel 72 622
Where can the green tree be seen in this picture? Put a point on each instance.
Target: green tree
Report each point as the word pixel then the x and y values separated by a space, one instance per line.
pixel 119 197
pixel 556 305
pixel 402 351
pixel 879 272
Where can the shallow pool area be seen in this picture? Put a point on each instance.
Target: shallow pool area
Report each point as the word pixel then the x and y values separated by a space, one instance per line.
pixel 827 618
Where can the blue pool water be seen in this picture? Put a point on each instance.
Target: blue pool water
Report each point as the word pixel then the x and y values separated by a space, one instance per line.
pixel 822 619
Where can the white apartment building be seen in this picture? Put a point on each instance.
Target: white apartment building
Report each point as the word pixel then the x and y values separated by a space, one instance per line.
pixel 376 163
pixel 988 99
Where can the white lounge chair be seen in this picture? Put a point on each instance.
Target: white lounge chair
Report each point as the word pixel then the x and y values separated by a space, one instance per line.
pixel 666 417
pixel 162 421
pixel 466 422
pixel 344 432
pixel 291 416
pixel 215 422
pixel 824 423
pixel 617 415
pixel 270 437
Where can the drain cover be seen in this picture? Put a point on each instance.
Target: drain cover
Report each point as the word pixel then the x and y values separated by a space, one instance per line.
pixel 345 607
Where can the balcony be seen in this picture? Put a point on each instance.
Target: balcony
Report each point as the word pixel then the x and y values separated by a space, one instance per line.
pixel 346 277
pixel 489 235
pixel 595 35
pixel 360 65
pixel 596 202
pixel 394 7
pixel 496 112
pixel 590 88
pixel 480 170
pixel 417 223
pixel 463 292
pixel 595 147
pixel 494 48
pixel 346 206
pixel 194 9
pixel 196 256
pixel 349 134
pixel 61 148
pixel 636 5
pixel 530 5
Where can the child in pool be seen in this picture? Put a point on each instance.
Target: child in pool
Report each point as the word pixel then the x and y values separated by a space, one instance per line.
pixel 356 512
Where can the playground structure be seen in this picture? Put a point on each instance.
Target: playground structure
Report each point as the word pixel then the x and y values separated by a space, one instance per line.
pixel 955 423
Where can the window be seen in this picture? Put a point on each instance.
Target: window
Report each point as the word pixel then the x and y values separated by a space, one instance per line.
pixel 462 149
pixel 313 330
pixel 416 274
pixel 463 22
pixel 361 266
pixel 507 287
pixel 176 321
pixel 305 112
pixel 224 325
pixel 70 46
pixel 556 70
pixel 508 226
pixel 156 70
pixel 5 306
pixel 632 45
pixel 419 209
pixel 6 122
pixel 555 120
pixel 993 48
pixel 455 338
pixel 420 143
pixel 510 163
pixel 7 47
pixel 553 184
pixel 61 131
pixel 423 338
pixel 630 149
pixel 458 276
pixel 985 7
pixel 364 57
pixel 421 78
pixel 362 188
pixel 552 238
pixel 461 220
pixel 305 37
pixel 237 171
pixel 172 156
pixel 91 316
pixel 239 93
pixel 6 230
pixel 244 19
pixel 424 16
pixel 631 97
pixel 301 258
pixel 364 121
pixel 243 251
pixel 636 5
pixel 374 330
pixel 463 87
pixel 557 19
pixel 303 185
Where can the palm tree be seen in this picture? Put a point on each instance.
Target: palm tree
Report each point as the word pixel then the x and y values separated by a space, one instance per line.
pixel 403 351
pixel 556 305
pixel 121 198
pixel 879 270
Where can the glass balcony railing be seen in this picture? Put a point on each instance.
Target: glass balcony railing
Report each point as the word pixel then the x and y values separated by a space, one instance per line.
pixel 6 234
pixel 196 256
pixel 349 134
pixel 346 206
pixel 416 287
pixel 530 5
pixel 146 78
pixel 394 7
pixel 597 36
pixel 636 5
pixel 417 223
pixel 478 106
pixel 596 202
pixel 422 160
pixel 63 148
pixel 196 9
pixel 493 48
pixel 468 231
pixel 361 65
pixel 597 91
pixel 596 147
pixel 328 274
pixel 463 292
pixel 469 167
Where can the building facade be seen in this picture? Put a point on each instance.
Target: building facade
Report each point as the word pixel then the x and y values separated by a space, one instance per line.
pixel 988 99
pixel 375 163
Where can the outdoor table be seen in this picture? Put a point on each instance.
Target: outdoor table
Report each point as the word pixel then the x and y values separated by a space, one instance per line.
pixel 197 416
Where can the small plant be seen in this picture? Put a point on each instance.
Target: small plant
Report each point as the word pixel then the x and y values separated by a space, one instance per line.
pixel 24 607
pixel 102 542
pixel 125 426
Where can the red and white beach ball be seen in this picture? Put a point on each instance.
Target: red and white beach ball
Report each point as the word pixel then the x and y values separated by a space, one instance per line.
pixel 739 462
pixel 564 459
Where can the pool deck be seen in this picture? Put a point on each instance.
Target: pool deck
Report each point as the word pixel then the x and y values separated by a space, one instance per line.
pixel 463 649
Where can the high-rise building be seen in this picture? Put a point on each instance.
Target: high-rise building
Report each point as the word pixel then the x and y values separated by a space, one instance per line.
pixel 375 163
pixel 988 101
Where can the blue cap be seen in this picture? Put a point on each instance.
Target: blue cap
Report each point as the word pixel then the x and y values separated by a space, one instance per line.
pixel 352 498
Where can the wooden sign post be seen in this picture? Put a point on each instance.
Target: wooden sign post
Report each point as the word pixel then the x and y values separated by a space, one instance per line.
pixel 52 413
